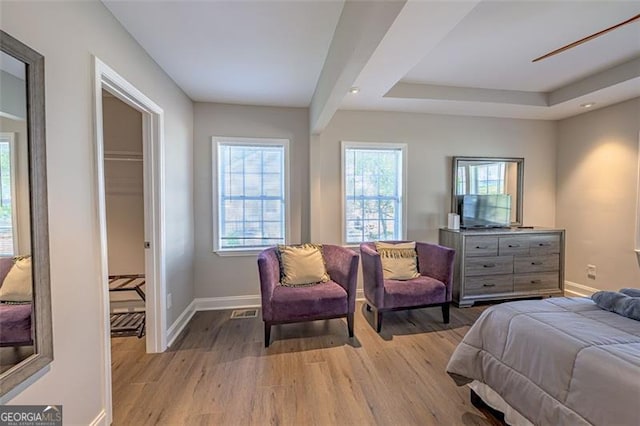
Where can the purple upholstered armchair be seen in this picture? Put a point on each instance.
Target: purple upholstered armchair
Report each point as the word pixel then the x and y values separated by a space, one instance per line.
pixel 15 320
pixel 334 299
pixel 432 288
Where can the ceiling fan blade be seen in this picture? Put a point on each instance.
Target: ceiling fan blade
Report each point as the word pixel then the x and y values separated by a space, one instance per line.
pixel 586 39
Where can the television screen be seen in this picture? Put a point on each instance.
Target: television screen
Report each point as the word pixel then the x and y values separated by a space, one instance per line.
pixel 484 211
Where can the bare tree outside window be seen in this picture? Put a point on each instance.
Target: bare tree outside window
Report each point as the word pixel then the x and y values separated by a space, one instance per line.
pixel 373 193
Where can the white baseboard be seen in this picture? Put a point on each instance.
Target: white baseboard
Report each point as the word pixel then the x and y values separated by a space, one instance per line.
pixel 219 303
pixel 239 302
pixel 580 290
pixel 227 302
pixel 100 420
pixel 180 323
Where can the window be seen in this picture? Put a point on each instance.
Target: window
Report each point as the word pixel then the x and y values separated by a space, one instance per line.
pixel 373 191
pixel 482 179
pixel 487 179
pixel 8 225
pixel 461 182
pixel 252 182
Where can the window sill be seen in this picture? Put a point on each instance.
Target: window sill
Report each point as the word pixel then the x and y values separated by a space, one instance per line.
pixel 352 246
pixel 239 253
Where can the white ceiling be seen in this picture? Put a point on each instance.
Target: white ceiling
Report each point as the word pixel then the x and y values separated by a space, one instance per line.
pixel 498 40
pixel 468 57
pixel 248 52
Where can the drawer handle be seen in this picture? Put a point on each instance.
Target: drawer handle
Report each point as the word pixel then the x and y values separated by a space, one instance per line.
pixel 482 247
pixel 488 285
pixel 536 281
pixel 536 263
pixel 489 265
pixel 514 245
pixel 544 244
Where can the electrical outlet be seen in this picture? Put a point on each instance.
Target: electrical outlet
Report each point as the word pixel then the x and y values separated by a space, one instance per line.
pixel 169 301
pixel 591 272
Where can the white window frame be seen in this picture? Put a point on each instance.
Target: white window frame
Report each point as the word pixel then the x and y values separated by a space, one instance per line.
pixel 244 141
pixel 403 184
pixel 10 138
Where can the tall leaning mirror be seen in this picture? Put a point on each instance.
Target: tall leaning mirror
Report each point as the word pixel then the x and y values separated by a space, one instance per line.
pixel 26 344
pixel 490 177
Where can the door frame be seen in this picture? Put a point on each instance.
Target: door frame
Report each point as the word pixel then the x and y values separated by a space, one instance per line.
pixel 153 175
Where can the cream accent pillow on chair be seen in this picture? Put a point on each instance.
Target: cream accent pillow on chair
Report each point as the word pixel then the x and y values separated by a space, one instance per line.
pixel 17 285
pixel 302 265
pixel 399 261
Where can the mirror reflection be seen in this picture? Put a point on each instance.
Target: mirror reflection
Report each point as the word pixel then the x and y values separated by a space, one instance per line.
pixel 497 177
pixel 16 283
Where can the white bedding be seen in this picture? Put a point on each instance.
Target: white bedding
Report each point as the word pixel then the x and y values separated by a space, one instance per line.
pixel 561 361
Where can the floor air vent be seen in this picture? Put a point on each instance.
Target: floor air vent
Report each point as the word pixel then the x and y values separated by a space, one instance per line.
pixel 244 313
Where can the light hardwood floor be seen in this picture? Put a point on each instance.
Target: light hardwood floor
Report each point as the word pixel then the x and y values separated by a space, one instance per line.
pixel 219 373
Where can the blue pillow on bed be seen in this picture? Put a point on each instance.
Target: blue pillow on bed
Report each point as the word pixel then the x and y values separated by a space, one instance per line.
pixel 620 303
pixel 633 292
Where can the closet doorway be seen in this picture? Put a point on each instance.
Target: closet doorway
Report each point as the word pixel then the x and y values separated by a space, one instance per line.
pixel 124 204
pixel 129 215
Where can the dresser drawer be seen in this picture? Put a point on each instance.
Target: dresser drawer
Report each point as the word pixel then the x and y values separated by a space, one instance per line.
pixel 489 284
pixel 489 265
pixel 481 246
pixel 536 263
pixel 536 282
pixel 544 244
pixel 513 245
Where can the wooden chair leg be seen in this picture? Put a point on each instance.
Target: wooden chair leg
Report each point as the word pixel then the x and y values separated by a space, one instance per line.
pixel 445 313
pixel 377 319
pixel 350 324
pixel 267 334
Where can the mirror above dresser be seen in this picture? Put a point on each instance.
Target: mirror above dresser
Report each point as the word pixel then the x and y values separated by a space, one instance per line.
pixel 491 188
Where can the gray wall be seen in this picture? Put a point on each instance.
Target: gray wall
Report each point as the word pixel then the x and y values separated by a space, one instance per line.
pixel 596 194
pixel 220 276
pixel 68 34
pixel 431 142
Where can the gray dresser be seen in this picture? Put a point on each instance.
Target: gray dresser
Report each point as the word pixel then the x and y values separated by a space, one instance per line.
pixel 505 263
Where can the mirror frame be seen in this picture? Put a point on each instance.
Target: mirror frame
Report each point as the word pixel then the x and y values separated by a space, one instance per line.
pixel 41 308
pixel 520 185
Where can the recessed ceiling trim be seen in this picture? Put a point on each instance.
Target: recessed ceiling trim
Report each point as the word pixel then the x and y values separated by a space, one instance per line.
pixel 419 27
pixel 628 71
pixel 469 94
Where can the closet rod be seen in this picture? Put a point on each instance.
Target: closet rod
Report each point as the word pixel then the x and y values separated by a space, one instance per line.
pixel 122 159
pixel 122 156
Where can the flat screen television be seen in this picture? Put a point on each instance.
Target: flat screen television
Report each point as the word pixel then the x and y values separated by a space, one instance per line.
pixel 484 211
